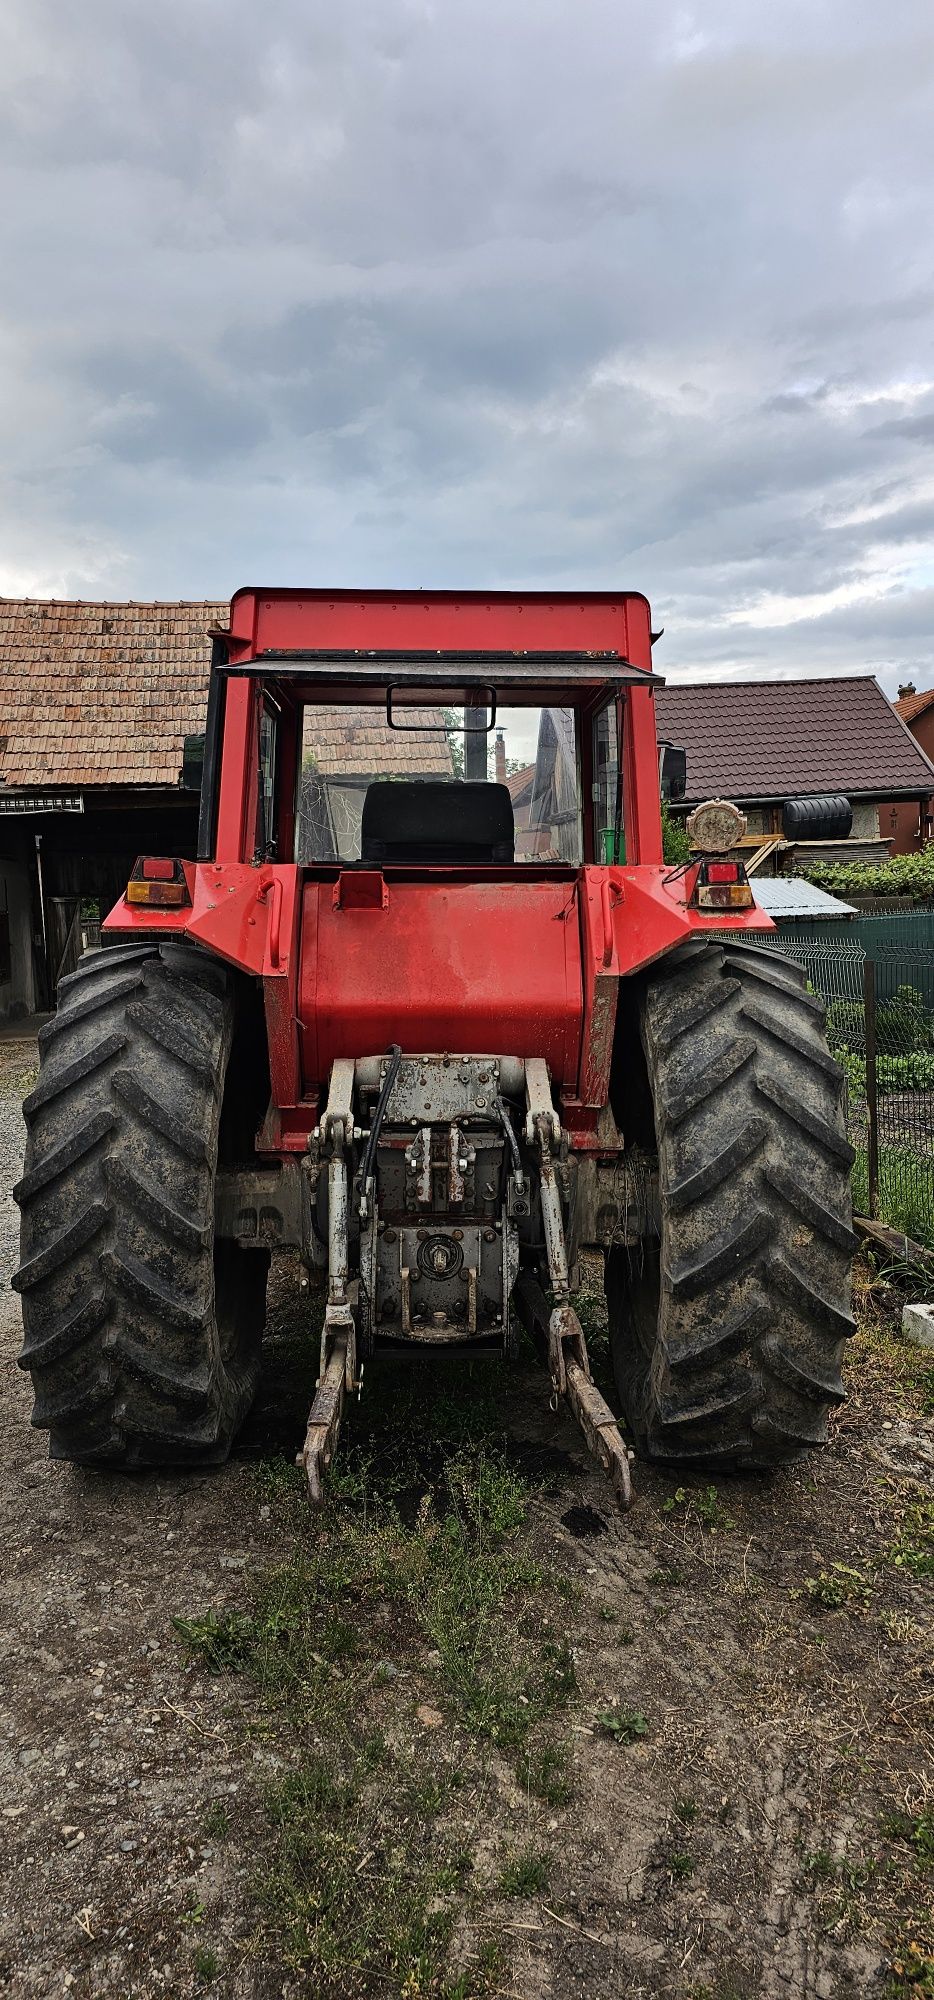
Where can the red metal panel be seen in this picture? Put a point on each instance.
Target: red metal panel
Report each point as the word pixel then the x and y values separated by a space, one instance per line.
pixel 446 619
pixel 640 780
pixel 601 893
pixel 236 809
pixel 470 967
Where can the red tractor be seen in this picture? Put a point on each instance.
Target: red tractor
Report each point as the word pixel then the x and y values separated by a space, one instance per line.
pixel 451 1049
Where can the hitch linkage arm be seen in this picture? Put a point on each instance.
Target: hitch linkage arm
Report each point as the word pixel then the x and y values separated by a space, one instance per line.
pixel 559 1330
pixel 337 1376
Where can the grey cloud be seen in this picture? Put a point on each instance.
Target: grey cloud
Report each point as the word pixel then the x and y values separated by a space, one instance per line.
pixel 399 292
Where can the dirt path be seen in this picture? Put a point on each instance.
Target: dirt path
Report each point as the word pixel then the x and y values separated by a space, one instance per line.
pixel 757 1835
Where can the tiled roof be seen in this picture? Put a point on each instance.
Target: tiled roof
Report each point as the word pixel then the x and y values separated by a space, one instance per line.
pixel 518 782
pixel 101 694
pixel 351 743
pixel 910 706
pixel 104 694
pixel 775 740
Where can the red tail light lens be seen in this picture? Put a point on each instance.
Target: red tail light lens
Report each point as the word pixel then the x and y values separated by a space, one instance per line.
pixel 722 885
pixel 157 870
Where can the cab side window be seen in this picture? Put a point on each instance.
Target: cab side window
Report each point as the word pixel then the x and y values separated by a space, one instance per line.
pixel 609 832
pixel 266 788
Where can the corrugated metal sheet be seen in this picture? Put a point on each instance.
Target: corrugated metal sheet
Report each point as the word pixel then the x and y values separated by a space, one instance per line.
pixel 791 896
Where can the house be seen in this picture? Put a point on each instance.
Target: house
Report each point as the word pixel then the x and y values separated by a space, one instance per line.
pixel 96 701
pixel 763 743
pixel 909 828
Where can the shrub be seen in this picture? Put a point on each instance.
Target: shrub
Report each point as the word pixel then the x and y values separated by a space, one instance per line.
pixel 904 875
pixel 676 845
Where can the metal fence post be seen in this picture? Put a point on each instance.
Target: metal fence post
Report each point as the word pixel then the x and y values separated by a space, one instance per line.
pixel 872 1095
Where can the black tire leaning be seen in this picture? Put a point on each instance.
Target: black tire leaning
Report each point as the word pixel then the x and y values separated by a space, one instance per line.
pixel 728 1324
pixel 142 1335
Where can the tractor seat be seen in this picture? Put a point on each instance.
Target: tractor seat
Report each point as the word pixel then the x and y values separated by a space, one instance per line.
pixel 441 822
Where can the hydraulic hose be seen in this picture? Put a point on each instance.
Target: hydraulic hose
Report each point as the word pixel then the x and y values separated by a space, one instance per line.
pixel 369 1154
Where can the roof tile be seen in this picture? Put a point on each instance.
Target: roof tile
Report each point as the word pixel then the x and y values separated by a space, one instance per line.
pixel 101 693
pixel 910 706
pixel 774 740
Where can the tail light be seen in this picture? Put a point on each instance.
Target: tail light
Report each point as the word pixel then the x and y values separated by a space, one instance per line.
pixel 158 883
pixel 722 885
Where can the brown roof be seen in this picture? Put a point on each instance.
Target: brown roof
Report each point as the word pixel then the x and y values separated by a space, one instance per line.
pixel 101 694
pixel 104 694
pixel 518 782
pixel 909 706
pixel 348 742
pixel 774 740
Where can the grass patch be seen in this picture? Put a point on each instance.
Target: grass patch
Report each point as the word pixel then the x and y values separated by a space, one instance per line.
pixel 914 1549
pixel 916 1832
pixel 906 1191
pixel 525 1874
pixel 667 1577
pixel 361 1883
pixel 681 1865
pixel 543 1770
pixel 701 1505
pixel 411 1636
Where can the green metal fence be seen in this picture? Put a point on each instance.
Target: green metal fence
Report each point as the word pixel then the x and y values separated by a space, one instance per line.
pixel 876 977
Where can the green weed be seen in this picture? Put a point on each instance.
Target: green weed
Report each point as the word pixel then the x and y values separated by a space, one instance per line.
pixel 831 1589
pixel 701 1506
pixel 914 1549
pixel 543 1770
pixel 525 1874
pixel 222 1640
pixel 625 1725
pixel 216 1821
pixel 917 1832
pixel 360 1904
pixel 681 1865
pixel 205 1964
pixel 276 1479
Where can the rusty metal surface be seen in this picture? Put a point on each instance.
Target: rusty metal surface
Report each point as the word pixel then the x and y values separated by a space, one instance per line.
pixel 324 1420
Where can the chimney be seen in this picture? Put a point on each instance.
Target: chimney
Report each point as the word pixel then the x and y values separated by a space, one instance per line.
pixel 501 757
pixel 909 688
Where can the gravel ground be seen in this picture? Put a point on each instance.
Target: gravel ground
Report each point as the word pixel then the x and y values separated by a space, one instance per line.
pixel 795 1730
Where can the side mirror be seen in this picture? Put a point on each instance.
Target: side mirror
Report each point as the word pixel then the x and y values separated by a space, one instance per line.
pixel 192 764
pixel 673 771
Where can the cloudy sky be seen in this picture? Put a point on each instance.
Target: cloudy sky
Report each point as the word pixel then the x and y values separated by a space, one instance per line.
pixel 518 292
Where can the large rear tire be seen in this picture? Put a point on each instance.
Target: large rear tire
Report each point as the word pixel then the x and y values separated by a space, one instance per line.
pixel 728 1322
pixel 142 1334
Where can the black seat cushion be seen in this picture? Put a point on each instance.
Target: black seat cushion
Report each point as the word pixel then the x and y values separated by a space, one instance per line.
pixel 438 821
